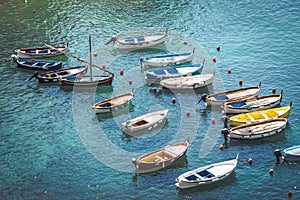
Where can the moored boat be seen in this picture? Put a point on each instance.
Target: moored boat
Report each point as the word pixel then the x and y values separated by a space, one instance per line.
pixel 167 59
pixel 40 65
pixel 138 42
pixel 161 158
pixel 40 52
pixel 290 154
pixel 85 81
pixel 113 104
pixel 256 116
pixel 252 104
pixel 54 76
pixel 188 82
pixel 207 174
pixel 158 74
pixel 258 130
pixel 145 123
pixel 218 99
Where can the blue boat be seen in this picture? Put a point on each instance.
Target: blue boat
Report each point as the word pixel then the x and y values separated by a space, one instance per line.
pixel 156 75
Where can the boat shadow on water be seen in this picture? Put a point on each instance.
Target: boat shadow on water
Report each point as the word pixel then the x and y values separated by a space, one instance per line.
pixel 103 116
pixel 209 187
pixel 99 89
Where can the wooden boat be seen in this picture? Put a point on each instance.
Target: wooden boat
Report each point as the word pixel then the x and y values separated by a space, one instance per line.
pixel 188 82
pixel 158 74
pixel 103 79
pixel 40 52
pixel 218 99
pixel 139 41
pixel 252 104
pixel 207 175
pixel 258 130
pixel 290 154
pixel 161 158
pixel 54 76
pixel 167 60
pixel 40 65
pixel 113 104
pixel 145 123
pixel 256 116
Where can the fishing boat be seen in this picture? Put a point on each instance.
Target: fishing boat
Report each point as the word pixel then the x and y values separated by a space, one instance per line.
pixel 207 174
pixel 161 158
pixel 258 130
pixel 158 74
pixel 138 42
pixel 252 104
pixel 104 77
pixel 145 123
pixel 40 65
pixel 113 104
pixel 56 75
pixel 167 60
pixel 40 52
pixel 256 116
pixel 188 82
pixel 218 99
pixel 290 154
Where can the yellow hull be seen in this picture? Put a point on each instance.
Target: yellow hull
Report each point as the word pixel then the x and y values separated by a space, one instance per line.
pixel 282 112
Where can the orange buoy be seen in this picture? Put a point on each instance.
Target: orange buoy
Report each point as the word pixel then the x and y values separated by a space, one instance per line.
pixel 250 161
pixel 188 114
pixel 58 32
pixel 214 59
pixel 173 100
pixel 213 120
pixel 121 72
pixel 273 90
pixel 103 66
pixel 229 71
pixel 241 82
pixel 130 82
pixel 221 147
pixel 290 194
pixel 95 54
pixel 218 48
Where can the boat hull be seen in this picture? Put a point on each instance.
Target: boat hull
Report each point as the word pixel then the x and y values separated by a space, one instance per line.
pixel 40 52
pixel 252 104
pixel 292 154
pixel 258 130
pixel 145 123
pixel 40 65
pixel 78 81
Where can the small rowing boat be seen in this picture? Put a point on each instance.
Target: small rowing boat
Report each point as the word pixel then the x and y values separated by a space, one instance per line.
pixel 40 52
pixel 167 60
pixel 290 154
pixel 207 175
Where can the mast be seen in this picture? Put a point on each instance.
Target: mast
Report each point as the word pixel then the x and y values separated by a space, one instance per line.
pixel 90 44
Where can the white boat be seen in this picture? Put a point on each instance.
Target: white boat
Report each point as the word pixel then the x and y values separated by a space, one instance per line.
pixel 252 104
pixel 167 60
pixel 40 52
pixel 161 158
pixel 218 99
pixel 158 74
pixel 138 42
pixel 113 104
pixel 207 175
pixel 145 123
pixel 290 154
pixel 258 130
pixel 188 82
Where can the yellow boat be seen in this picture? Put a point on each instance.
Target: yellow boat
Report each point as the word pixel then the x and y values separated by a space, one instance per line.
pixel 282 112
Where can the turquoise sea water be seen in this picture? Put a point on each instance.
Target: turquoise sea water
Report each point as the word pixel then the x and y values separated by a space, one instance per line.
pixel 52 146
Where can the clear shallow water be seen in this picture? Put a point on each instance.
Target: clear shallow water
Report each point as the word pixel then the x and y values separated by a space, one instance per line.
pixel 53 147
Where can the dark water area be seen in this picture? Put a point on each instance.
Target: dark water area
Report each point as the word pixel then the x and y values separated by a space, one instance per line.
pixel 52 145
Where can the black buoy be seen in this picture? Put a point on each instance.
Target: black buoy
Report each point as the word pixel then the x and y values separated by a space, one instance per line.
pixel 35 75
pixel 225 133
pixel 141 61
pixel 278 154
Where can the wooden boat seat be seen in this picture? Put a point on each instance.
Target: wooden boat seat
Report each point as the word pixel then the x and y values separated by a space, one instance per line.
pixel 159 158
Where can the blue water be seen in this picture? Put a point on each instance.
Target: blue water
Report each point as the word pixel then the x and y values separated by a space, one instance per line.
pixel 52 146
